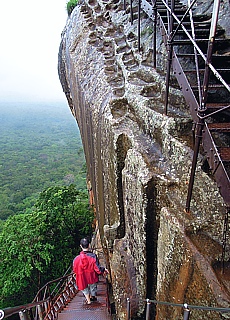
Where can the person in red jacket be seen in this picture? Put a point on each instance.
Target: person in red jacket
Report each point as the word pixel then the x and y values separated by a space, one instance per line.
pixel 87 269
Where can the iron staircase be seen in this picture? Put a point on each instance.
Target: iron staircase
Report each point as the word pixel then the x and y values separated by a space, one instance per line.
pixel 199 58
pixel 198 55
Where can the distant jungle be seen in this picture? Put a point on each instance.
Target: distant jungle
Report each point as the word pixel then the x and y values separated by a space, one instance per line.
pixel 40 147
pixel 44 208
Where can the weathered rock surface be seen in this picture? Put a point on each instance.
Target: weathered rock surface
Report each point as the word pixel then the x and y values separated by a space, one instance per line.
pixel 138 164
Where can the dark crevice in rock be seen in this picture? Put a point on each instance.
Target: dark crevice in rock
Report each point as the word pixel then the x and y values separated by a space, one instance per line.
pixel 152 228
pixel 123 144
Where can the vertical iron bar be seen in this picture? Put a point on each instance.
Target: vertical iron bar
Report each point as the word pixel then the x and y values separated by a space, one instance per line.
pixel 31 317
pixel 128 309
pixel 198 137
pixel 139 25
pixel 171 16
pixel 46 307
pixel 131 10
pixel 124 4
pixel 2 314
pixel 202 107
pixel 225 230
pixel 169 62
pixel 170 50
pixel 148 310
pixel 186 312
pixel 23 315
pixel 154 4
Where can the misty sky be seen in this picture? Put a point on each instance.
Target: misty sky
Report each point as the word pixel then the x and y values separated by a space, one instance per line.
pixel 30 33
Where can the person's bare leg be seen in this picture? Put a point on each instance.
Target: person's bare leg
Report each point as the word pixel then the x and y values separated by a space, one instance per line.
pixel 87 296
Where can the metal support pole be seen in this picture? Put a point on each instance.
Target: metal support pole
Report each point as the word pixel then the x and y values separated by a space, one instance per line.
pixel 139 25
pixel 154 4
pixel 2 314
pixel 186 312
pixel 23 315
pixel 225 231
pixel 124 4
pixel 128 309
pixel 30 314
pixel 169 63
pixel 170 51
pixel 194 163
pixel 202 107
pixel 46 306
pixel 148 310
pixel 131 10
pixel 40 312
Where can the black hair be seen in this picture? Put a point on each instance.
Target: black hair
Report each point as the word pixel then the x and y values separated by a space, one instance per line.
pixel 84 243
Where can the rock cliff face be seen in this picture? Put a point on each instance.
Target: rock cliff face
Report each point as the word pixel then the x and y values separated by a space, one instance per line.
pixel 139 164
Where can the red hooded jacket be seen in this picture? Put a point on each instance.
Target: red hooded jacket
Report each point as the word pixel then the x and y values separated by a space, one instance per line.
pixel 87 268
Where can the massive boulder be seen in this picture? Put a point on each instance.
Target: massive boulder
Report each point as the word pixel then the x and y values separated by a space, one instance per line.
pixel 139 163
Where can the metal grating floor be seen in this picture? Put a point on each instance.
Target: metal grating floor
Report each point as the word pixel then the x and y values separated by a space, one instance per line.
pixel 88 315
pixel 78 310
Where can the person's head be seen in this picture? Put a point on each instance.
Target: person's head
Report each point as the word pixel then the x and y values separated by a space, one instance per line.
pixel 84 243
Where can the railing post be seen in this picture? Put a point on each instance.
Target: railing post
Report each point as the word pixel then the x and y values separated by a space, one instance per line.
pixel 154 5
pixel 186 312
pixel 198 137
pixel 170 52
pixel 46 306
pixel 40 312
pixel 147 317
pixel 23 315
pixel 139 26
pixel 225 230
pixel 128 309
pixel 2 314
pixel 131 10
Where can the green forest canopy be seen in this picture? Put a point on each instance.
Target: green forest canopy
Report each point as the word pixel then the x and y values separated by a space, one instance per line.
pixel 44 210
pixel 39 246
pixel 40 146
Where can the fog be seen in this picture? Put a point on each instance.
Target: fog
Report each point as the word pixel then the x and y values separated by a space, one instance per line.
pixel 30 37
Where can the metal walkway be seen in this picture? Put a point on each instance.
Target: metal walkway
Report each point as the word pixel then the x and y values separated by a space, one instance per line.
pixel 78 309
pixel 60 299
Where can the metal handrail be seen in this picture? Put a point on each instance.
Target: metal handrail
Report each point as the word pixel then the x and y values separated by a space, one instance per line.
pixel 7 312
pixel 46 305
pixel 49 283
pixel 185 307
